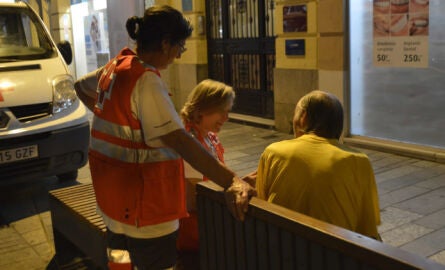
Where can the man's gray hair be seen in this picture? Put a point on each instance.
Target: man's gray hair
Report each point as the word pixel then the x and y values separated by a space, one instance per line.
pixel 324 114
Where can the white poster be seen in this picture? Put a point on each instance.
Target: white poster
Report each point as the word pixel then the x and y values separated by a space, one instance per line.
pixel 96 40
pixel 400 31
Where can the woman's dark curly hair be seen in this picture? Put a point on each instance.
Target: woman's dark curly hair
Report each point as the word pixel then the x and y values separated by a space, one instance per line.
pixel 159 23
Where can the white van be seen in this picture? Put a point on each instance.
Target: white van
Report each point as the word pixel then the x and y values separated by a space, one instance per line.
pixel 44 128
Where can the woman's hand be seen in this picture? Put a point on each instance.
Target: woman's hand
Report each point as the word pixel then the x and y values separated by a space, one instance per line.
pixel 237 197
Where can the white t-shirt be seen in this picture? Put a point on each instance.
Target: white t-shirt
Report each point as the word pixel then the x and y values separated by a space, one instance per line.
pixel 151 104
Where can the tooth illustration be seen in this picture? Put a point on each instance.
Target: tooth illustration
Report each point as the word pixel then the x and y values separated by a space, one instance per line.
pixel 398 23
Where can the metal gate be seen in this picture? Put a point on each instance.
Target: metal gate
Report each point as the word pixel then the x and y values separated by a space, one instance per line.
pixel 241 51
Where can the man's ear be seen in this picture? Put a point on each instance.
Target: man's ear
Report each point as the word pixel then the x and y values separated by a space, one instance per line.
pixel 299 122
pixel 303 119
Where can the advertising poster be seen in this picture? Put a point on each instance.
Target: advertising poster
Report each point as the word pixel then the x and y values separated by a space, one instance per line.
pixel 400 33
pixel 96 43
pixel 295 18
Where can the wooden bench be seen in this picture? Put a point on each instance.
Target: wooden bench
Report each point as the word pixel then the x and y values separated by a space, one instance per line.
pixel 273 237
pixel 79 232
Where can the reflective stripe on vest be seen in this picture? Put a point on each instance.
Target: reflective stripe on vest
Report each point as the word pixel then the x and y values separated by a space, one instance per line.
pixel 127 144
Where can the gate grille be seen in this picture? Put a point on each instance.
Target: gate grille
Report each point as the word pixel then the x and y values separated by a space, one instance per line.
pixel 241 47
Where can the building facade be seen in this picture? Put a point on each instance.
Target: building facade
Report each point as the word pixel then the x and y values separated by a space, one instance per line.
pixel 320 44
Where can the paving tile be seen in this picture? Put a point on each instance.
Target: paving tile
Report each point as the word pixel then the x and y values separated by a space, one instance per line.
pixel 242 147
pixel 15 256
pixel 400 195
pixel 245 171
pixel 427 245
pixel 389 161
pixel 392 217
pixel 235 140
pixel 13 244
pixel 84 173
pixel 435 220
pixel 35 237
pixel 246 158
pixel 404 234
pixel 6 232
pixel 433 183
pixel 381 191
pixel 374 156
pixel 426 203
pixel 425 164
pixel 256 150
pixel 250 166
pixel 27 224
pixel 233 155
pixel 396 172
pixel 438 257
pixel 407 179
pixel 45 217
pixel 45 250
pixel 28 264
pixel 440 169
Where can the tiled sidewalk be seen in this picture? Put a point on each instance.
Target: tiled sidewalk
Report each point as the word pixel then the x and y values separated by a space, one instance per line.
pixel 412 200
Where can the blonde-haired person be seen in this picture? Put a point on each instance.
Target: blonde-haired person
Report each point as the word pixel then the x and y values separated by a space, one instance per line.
pixel 204 113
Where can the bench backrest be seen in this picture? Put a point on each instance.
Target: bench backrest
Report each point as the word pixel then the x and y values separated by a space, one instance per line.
pixel 273 237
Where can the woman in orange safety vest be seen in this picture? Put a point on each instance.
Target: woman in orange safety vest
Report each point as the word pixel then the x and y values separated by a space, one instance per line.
pixel 137 145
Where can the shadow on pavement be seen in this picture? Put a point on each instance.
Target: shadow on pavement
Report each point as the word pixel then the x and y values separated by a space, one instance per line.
pixel 23 200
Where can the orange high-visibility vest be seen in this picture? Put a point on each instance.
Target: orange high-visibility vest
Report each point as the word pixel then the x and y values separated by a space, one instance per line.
pixel 134 184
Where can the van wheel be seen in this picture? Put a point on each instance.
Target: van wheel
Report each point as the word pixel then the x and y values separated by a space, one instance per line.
pixel 66 177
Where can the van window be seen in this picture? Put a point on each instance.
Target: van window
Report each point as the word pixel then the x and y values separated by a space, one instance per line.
pixel 22 36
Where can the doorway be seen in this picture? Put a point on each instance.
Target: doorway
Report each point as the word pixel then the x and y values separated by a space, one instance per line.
pixel 241 51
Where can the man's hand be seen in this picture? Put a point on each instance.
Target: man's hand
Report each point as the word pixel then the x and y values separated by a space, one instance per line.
pixel 237 197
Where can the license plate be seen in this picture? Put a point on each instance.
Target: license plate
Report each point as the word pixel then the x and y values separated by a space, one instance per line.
pixel 17 154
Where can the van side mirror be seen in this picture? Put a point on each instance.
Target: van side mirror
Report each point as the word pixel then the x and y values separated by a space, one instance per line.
pixel 66 51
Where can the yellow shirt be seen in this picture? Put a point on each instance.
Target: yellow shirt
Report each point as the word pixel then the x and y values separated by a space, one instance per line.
pixel 323 179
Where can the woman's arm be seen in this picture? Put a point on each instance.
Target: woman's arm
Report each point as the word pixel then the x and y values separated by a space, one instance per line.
pixel 86 88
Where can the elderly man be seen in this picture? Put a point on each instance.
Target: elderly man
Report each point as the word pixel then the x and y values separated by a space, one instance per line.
pixel 316 175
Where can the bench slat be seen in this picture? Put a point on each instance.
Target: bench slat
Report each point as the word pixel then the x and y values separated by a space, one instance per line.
pixel 275 258
pixel 230 248
pixel 287 246
pixel 262 246
pixel 241 247
pixel 301 252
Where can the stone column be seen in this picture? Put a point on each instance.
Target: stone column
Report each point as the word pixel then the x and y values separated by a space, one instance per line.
pixel 294 75
pixel 331 50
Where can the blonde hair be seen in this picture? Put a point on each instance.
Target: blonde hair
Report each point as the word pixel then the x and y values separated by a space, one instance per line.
pixel 209 95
